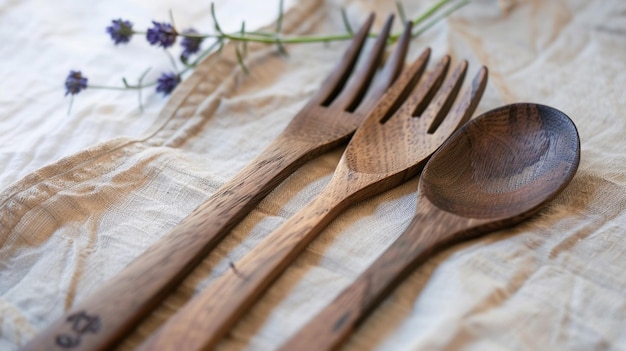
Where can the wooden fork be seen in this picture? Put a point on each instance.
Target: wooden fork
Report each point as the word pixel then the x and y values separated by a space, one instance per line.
pixel 391 145
pixel 325 122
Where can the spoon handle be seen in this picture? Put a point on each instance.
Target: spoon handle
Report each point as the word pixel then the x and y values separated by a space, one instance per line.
pixel 101 320
pixel 203 321
pixel 331 327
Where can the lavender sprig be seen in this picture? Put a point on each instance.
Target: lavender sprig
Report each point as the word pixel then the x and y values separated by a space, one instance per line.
pixel 165 35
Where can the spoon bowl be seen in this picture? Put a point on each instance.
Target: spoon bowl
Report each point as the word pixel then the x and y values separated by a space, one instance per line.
pixel 508 162
pixel 494 172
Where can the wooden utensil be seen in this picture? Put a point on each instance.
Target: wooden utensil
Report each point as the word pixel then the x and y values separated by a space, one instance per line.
pixel 498 170
pixel 325 122
pixel 390 146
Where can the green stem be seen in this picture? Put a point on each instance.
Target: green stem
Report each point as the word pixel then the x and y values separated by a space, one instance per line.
pixel 273 38
pixel 440 17
pixel 430 12
pixel 200 57
pixel 129 87
pixel 262 34
pixel 288 40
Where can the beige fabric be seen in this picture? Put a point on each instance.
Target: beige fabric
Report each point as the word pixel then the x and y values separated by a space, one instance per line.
pixel 555 282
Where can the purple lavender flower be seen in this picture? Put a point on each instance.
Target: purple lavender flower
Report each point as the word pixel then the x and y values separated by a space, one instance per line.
pixel 75 82
pixel 121 31
pixel 167 82
pixel 190 45
pixel 161 34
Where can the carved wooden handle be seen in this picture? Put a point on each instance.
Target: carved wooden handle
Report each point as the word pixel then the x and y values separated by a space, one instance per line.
pixel 330 328
pixel 101 320
pixel 206 318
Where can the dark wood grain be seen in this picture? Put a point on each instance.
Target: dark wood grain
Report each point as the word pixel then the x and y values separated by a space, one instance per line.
pixel 328 120
pixel 493 173
pixel 379 156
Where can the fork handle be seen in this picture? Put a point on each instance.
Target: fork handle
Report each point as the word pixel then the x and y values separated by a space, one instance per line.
pixel 201 323
pixel 112 311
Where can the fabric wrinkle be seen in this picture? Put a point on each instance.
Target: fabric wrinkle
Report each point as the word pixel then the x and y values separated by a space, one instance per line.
pixel 74 215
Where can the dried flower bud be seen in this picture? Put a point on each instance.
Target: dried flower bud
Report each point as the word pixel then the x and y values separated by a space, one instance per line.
pixel 167 82
pixel 121 31
pixel 190 45
pixel 161 34
pixel 75 82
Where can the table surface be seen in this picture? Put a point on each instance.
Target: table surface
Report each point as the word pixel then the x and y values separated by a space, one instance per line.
pixel 84 193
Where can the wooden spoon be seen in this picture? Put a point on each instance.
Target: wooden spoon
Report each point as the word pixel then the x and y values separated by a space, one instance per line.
pixel 496 171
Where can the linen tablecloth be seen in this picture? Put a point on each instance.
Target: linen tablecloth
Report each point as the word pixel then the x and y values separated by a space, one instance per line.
pixel 84 193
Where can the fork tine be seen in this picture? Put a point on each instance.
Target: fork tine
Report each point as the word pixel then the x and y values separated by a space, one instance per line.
pixel 423 94
pixel 442 102
pixel 393 98
pixel 353 94
pixel 466 107
pixel 391 71
pixel 333 84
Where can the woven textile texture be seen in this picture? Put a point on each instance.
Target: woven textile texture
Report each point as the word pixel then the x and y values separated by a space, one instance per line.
pixel 83 194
